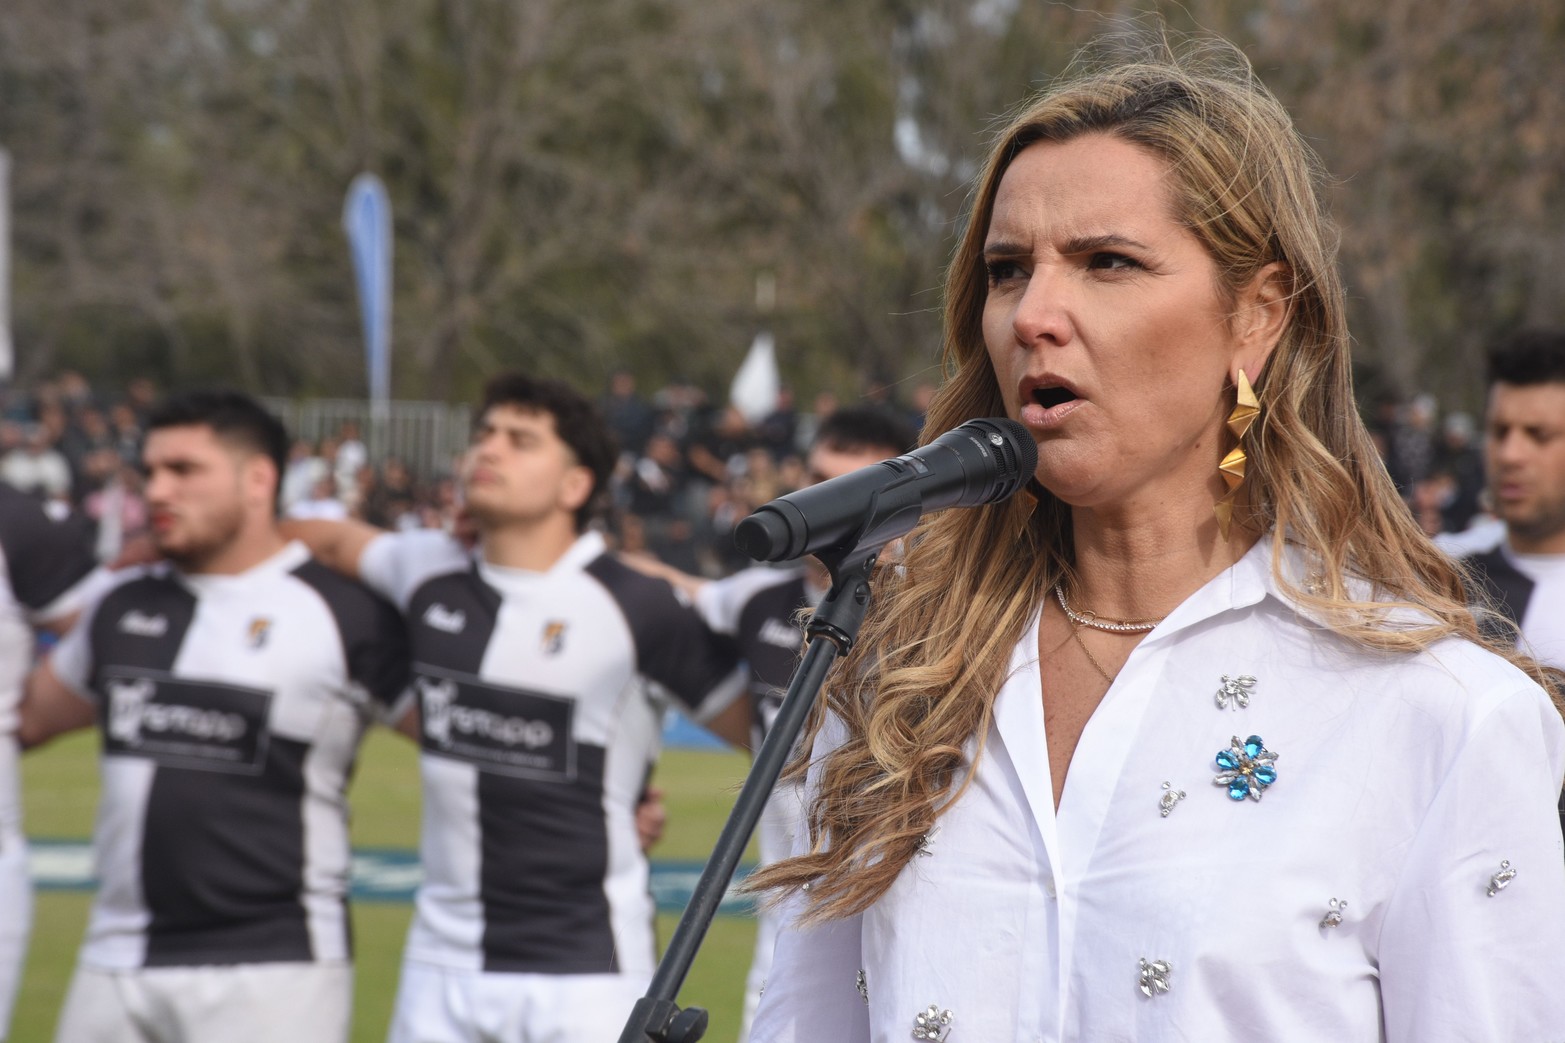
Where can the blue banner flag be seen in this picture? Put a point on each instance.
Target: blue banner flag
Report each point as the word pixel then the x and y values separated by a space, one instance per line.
pixel 366 217
pixel 7 360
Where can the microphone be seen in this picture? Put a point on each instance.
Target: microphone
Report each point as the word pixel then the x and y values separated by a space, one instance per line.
pixel 982 461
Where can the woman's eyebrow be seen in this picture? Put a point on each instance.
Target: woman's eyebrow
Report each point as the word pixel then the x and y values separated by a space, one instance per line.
pixel 1006 248
pixel 1105 241
pixel 1076 244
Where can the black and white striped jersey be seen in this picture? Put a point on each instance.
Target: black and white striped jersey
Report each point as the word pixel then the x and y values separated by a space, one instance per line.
pixel 46 568
pixel 760 609
pixel 43 564
pixel 231 710
pixel 541 697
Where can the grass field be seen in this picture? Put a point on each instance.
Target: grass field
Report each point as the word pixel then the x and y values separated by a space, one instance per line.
pixel 60 786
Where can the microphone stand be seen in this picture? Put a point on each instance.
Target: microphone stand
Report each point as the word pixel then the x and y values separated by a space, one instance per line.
pixel 832 629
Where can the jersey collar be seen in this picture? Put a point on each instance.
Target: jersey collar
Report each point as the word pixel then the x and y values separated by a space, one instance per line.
pixel 291 556
pixel 588 546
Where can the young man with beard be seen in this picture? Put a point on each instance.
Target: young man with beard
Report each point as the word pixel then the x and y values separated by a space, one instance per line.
pixel 1522 569
pixel 1518 572
pixel 233 682
pixel 540 663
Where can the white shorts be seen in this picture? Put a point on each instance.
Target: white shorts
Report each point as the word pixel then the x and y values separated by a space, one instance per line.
pixel 247 1003
pixel 16 889
pixel 443 1005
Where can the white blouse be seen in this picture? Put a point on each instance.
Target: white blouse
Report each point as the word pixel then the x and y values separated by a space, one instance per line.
pixel 1402 878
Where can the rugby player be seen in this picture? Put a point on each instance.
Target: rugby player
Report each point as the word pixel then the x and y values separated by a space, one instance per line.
pixel 541 666
pixel 232 682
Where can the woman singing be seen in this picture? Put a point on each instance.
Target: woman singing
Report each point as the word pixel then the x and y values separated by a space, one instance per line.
pixel 1200 742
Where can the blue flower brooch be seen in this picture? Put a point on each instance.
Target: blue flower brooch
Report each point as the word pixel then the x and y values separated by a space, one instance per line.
pixel 1247 768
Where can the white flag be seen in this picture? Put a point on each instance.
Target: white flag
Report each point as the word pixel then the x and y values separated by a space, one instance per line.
pixel 756 385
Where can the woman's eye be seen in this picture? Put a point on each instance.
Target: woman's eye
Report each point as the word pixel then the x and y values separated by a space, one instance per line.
pixel 1112 262
pixel 1000 271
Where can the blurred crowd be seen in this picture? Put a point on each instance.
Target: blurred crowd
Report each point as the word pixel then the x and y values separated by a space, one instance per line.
pixel 1436 460
pixel 77 448
pixel 689 469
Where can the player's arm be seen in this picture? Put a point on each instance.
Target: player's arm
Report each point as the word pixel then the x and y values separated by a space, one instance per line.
pixel 50 708
pixel 339 545
pixel 56 698
pixel 734 723
pixel 407 724
pixel 378 661
pixel 651 818
pixel 60 617
pixel 59 626
pixel 688 585
pixel 701 669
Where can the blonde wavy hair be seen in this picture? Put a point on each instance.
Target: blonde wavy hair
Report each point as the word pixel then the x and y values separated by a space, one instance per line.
pixel 920 685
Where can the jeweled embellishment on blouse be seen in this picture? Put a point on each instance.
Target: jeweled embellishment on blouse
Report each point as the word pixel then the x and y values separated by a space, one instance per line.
pixel 1170 797
pixel 1154 977
pixel 1333 917
pixel 932 1023
pixel 1501 880
pixel 1235 690
pixel 861 983
pixel 926 842
pixel 1248 768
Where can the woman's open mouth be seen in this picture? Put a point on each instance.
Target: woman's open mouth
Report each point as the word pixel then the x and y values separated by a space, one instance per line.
pixel 1049 397
pixel 1048 404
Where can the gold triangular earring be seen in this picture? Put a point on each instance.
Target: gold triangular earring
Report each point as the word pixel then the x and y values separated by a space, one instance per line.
pixel 1245 412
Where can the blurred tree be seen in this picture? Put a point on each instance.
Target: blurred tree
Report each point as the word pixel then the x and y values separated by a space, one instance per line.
pixel 1439 119
pixel 583 186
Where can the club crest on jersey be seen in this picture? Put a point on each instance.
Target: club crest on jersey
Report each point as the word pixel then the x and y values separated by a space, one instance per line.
pixel 260 627
pixel 554 636
pixel 143 625
pixel 448 619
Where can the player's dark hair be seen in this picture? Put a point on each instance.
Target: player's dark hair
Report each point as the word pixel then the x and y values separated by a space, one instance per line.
pixel 853 428
pixel 234 417
pixel 1529 357
pixel 576 420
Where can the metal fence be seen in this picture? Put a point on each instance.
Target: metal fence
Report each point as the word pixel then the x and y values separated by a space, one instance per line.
pixel 427 436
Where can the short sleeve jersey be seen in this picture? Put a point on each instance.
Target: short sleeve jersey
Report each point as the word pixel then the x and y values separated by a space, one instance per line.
pixel 46 570
pixel 43 566
pixel 540 697
pixel 759 608
pixel 231 710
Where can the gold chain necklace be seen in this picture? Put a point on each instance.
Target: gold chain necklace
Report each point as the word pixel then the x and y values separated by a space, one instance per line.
pixel 1076 633
pixel 1090 618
